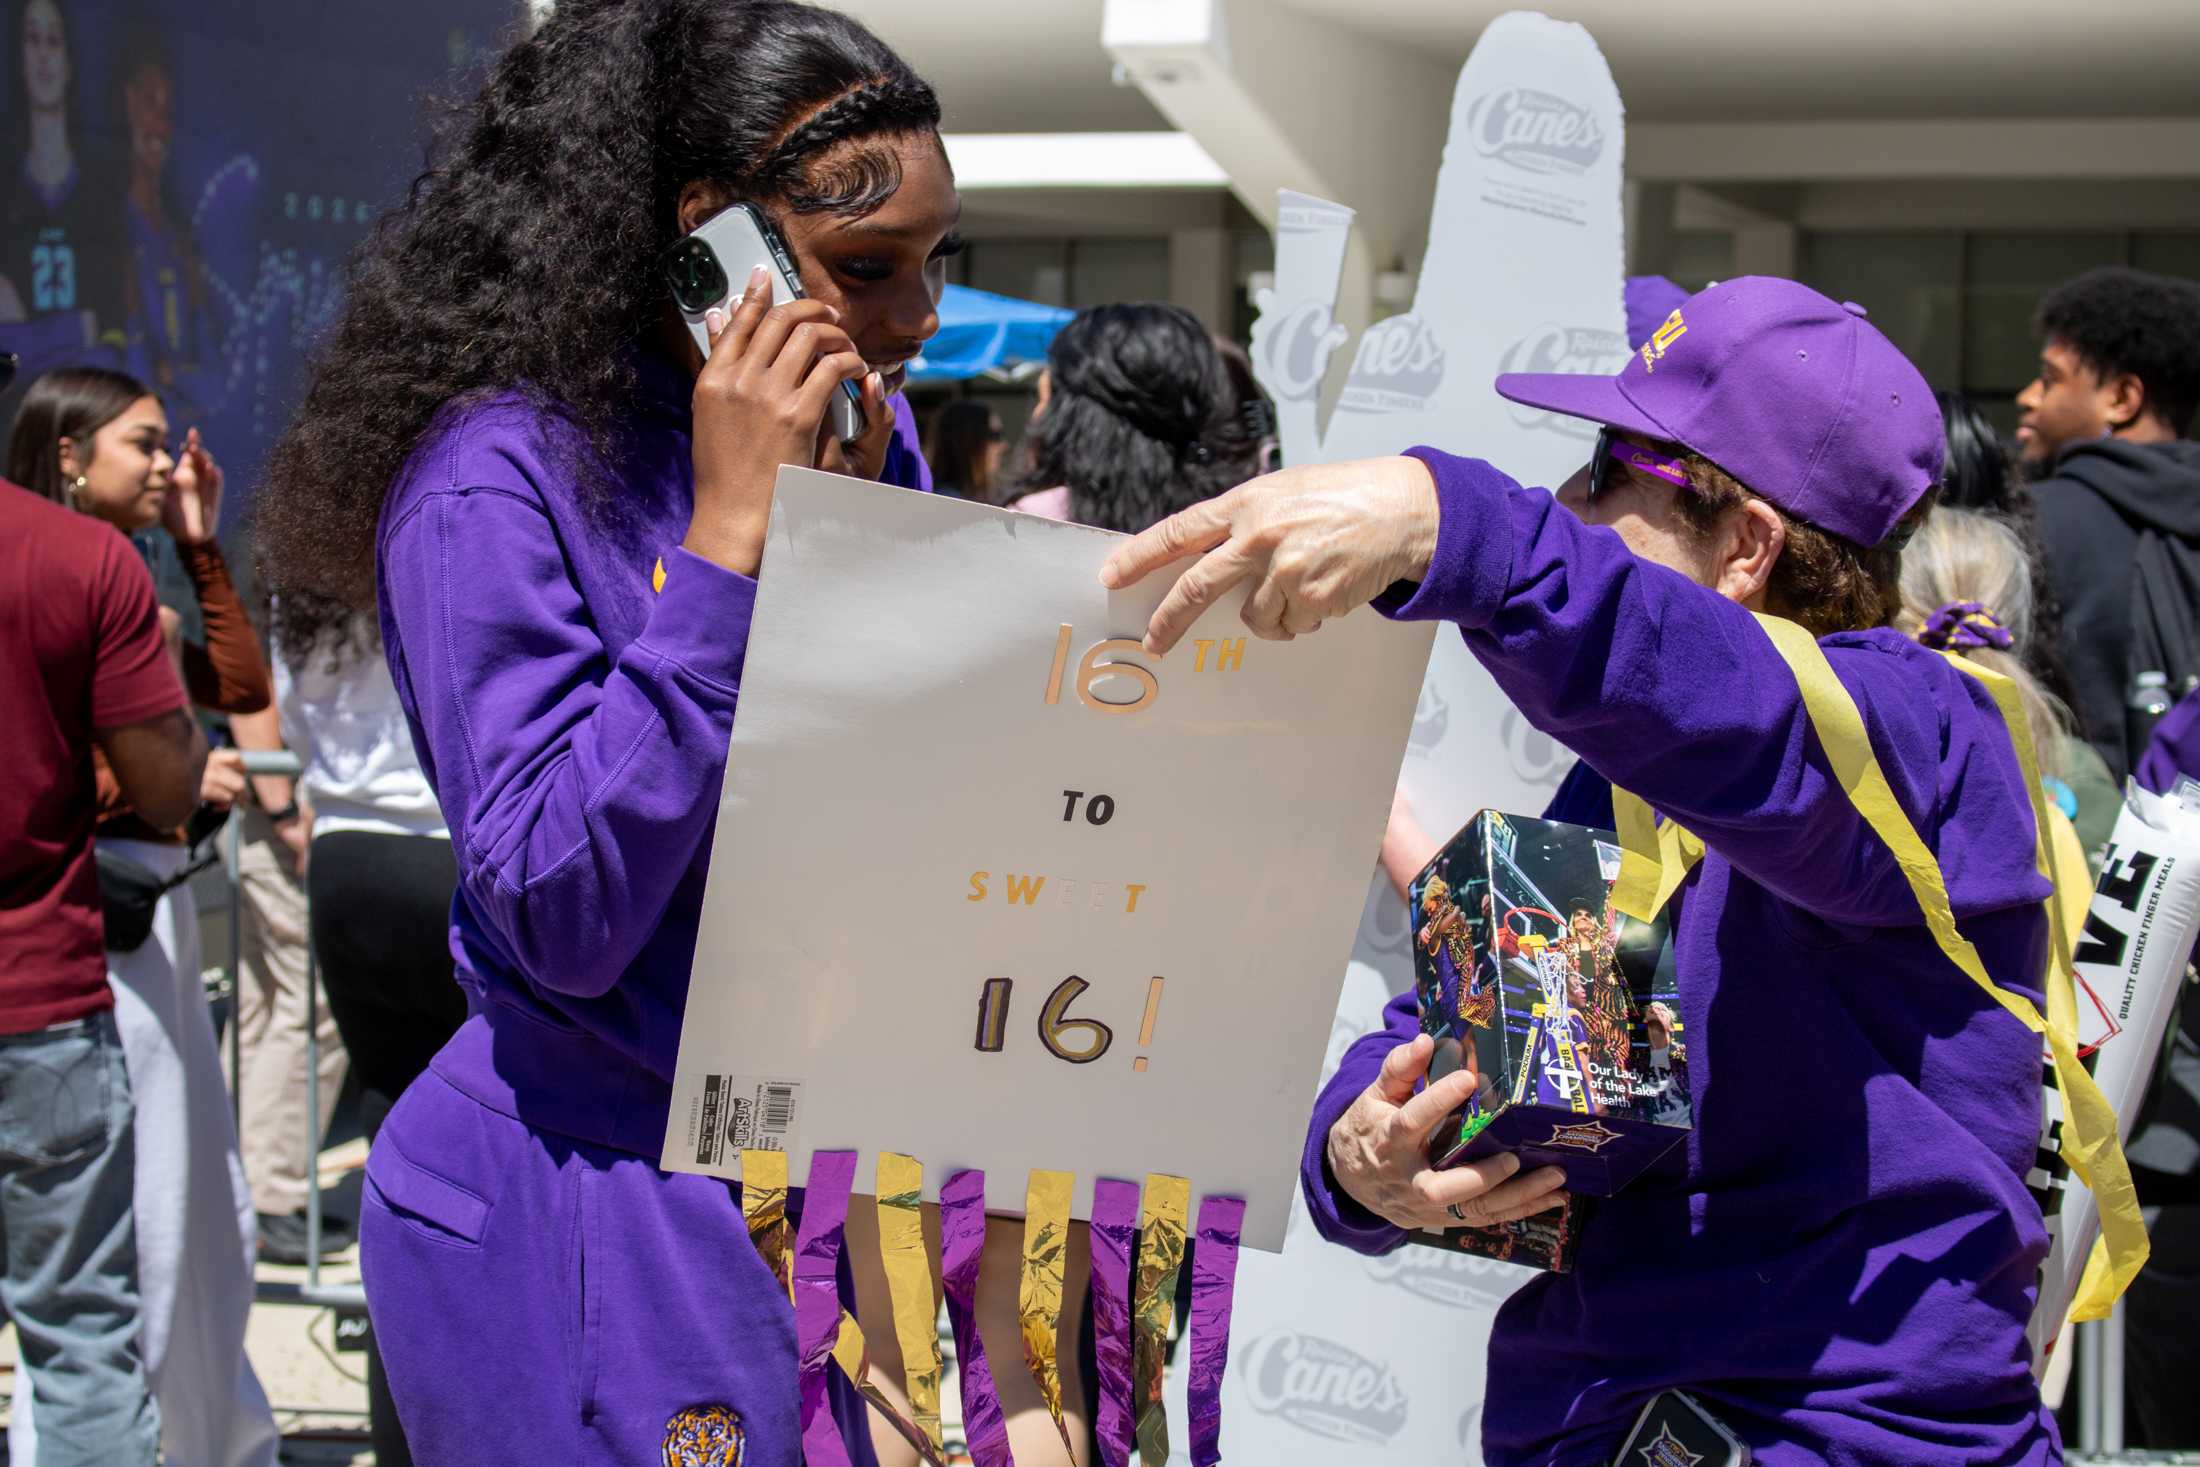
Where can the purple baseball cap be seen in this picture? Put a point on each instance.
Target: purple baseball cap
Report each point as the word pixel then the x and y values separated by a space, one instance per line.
pixel 1795 395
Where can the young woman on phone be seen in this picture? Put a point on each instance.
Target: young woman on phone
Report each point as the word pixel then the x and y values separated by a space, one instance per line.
pixel 512 446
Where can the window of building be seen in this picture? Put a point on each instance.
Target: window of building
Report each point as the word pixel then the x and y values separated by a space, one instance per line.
pixel 1961 303
pixel 1070 272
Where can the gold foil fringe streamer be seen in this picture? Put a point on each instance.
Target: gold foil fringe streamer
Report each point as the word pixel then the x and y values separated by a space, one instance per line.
pixel 764 1209
pixel 1166 1207
pixel 900 1184
pixel 1039 1292
pixel 853 1357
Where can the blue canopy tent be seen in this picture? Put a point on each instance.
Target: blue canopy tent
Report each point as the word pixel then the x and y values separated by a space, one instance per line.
pixel 980 331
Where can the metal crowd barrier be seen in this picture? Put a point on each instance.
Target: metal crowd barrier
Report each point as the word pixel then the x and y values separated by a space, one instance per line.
pixel 312 1291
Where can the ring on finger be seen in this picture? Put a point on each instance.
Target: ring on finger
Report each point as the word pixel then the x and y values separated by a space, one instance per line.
pixel 1456 1214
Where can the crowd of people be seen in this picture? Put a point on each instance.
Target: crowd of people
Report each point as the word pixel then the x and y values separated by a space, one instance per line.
pixel 494 859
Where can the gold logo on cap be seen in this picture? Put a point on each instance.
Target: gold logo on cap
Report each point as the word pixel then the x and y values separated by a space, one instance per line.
pixel 1661 340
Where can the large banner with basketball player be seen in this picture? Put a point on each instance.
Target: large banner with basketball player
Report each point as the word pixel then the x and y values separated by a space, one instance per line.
pixel 185 178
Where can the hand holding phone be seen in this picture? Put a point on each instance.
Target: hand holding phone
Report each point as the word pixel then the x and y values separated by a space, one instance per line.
pixel 706 268
pixel 766 381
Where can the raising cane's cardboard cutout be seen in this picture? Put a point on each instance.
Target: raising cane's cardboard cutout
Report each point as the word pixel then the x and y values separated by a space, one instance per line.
pixel 1329 1356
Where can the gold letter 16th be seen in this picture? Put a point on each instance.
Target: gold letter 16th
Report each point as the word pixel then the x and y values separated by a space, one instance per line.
pixel 1091 669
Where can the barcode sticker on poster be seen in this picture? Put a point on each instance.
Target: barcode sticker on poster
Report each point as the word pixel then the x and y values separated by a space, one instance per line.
pixel 738 1113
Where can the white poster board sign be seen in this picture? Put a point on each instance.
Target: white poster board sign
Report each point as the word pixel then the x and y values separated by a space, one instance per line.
pixel 976 898
pixel 1335 1358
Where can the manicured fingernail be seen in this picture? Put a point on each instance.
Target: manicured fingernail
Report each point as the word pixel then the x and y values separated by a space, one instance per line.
pixel 758 279
pixel 714 320
pixel 876 383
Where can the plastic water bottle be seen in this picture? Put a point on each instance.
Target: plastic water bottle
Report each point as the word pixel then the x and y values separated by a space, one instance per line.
pixel 2150 698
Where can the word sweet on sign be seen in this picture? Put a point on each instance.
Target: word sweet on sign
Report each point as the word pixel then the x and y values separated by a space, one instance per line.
pixel 954 914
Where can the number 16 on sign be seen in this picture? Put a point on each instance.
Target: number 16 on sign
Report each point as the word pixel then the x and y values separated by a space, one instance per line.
pixel 1055 1025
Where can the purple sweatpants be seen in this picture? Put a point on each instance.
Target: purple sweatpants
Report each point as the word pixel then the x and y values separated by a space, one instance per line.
pixel 542 1296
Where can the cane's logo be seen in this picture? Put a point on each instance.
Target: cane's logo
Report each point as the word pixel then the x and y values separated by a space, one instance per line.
pixel 1293 348
pixel 1669 1451
pixel 1536 132
pixel 1535 756
pixel 1576 351
pixel 1397 369
pixel 1321 1387
pixel 1661 340
pixel 1590 1136
pixel 1452 1279
pixel 1431 716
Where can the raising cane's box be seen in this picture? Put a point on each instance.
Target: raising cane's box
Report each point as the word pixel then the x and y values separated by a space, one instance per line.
pixel 1566 1010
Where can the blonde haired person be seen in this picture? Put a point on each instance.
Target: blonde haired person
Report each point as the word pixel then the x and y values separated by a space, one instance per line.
pixel 1966 587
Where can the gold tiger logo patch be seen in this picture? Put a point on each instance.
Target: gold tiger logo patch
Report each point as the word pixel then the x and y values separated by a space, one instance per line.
pixel 705 1436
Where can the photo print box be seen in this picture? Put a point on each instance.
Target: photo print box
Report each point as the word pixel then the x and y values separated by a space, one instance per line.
pixel 1565 1008
pixel 1549 1240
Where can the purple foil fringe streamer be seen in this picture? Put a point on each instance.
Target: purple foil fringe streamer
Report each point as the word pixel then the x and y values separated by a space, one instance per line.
pixel 1214 1280
pixel 962 1247
pixel 1114 1237
pixel 817 1299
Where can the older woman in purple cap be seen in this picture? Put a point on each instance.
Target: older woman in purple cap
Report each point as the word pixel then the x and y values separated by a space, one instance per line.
pixel 1843 1268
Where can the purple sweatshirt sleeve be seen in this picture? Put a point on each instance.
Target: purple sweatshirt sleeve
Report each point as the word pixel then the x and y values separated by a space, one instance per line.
pixel 577 786
pixel 1336 1216
pixel 1674 692
pixel 2174 748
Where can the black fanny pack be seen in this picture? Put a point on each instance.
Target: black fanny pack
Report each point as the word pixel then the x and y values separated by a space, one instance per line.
pixel 129 891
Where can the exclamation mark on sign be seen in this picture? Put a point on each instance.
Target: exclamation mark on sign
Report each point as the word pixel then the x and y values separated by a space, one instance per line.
pixel 1145 1025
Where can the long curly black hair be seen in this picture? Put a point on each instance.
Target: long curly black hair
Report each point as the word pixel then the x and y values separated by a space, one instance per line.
pixel 1142 420
pixel 522 258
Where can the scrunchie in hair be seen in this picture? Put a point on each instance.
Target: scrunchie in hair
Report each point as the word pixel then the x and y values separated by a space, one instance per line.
pixel 1962 624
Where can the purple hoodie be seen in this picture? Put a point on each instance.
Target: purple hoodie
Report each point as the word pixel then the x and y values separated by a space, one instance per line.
pixel 574 723
pixel 1842 1266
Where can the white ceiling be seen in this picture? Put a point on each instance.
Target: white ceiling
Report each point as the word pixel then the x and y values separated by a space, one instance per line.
pixel 1012 65
pixel 1037 66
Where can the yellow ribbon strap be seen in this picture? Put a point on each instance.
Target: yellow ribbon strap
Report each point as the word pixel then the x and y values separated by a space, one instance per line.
pixel 1638 881
pixel 908 1266
pixel 1168 1204
pixel 2090 1128
pixel 1039 1295
pixel 853 1357
pixel 764 1209
pixel 2090 1142
pixel 1654 859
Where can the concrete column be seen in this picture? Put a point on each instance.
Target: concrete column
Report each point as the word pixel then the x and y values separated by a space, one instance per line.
pixel 1200 273
pixel 1283 100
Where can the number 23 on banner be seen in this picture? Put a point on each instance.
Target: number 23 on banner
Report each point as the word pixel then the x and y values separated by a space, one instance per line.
pixel 1090 669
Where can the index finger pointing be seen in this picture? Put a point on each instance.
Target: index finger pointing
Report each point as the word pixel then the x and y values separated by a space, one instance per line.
pixel 1187 532
pixel 1195 591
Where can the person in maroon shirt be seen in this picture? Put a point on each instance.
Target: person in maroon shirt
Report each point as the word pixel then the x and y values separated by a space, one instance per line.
pixel 83 666
pixel 100 441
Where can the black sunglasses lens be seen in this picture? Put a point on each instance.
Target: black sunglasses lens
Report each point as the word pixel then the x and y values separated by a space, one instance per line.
pixel 1600 464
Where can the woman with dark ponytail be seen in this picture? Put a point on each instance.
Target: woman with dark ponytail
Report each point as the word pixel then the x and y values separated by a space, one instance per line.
pixel 512 451
pixel 1137 418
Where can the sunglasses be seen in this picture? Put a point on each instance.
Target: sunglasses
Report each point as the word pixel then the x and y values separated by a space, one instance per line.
pixel 1612 448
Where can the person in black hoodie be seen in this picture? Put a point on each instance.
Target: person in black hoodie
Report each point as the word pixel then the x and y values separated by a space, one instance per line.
pixel 2117 485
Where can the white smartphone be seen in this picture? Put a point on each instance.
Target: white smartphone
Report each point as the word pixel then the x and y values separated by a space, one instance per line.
pixel 708 267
